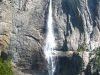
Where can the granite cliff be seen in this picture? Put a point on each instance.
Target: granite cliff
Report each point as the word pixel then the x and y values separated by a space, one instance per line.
pixel 23 29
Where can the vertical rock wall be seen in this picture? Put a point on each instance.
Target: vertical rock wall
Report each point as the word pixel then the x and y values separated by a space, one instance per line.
pixel 5 26
pixel 77 22
pixel 23 28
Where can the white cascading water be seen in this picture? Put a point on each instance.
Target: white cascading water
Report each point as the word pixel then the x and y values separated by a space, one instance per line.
pixel 50 44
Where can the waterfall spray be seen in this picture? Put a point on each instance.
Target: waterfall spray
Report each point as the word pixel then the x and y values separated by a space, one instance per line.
pixel 50 44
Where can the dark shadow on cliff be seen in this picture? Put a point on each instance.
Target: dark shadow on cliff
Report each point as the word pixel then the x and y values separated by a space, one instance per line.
pixel 45 16
pixel 64 47
pixel 45 21
pixel 93 8
pixel 73 20
pixel 66 9
pixel 69 65
pixel 0 0
pixel 92 4
pixel 4 56
pixel 91 68
pixel 39 63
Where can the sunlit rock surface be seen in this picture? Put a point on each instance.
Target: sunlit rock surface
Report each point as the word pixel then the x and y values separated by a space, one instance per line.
pixel 77 21
pixel 23 28
pixel 5 26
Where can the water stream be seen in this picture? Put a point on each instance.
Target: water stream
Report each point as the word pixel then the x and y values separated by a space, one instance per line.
pixel 50 43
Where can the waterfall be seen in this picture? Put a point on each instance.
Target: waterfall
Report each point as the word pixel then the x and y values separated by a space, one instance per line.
pixel 50 44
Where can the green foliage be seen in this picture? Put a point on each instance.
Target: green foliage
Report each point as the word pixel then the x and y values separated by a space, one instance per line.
pixel 82 73
pixel 96 59
pixel 5 67
pixel 97 51
pixel 81 48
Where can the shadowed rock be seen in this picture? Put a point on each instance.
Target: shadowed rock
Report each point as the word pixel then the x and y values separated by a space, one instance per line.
pixel 4 56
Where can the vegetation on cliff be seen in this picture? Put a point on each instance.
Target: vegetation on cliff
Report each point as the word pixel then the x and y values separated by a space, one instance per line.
pixel 95 55
pixel 5 67
pixel 81 49
pixel 94 59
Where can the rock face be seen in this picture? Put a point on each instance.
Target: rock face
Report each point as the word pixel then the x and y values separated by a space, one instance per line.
pixel 69 65
pixel 5 26
pixel 23 28
pixel 77 22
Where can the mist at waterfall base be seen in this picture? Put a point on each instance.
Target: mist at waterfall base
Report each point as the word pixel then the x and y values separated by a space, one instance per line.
pixel 50 44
